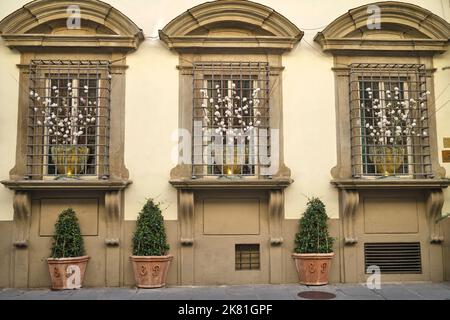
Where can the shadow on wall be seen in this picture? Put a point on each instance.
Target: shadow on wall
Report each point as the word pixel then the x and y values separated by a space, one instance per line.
pixel 445 224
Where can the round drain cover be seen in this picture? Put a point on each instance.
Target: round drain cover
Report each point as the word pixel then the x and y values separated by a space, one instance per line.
pixel 317 295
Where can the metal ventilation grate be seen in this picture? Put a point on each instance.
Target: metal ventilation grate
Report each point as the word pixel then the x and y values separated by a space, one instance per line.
pixel 247 257
pixel 394 257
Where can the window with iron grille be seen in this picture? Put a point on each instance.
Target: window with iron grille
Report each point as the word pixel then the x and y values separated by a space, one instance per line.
pixel 230 118
pixel 247 257
pixel 389 120
pixel 68 118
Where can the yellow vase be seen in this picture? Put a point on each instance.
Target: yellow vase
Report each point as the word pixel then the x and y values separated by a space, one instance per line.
pixel 233 169
pixel 70 160
pixel 387 160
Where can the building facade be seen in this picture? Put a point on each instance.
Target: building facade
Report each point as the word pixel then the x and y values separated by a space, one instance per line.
pixel 231 113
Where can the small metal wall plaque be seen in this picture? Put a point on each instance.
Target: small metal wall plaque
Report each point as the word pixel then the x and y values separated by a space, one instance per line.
pixel 447 143
pixel 446 156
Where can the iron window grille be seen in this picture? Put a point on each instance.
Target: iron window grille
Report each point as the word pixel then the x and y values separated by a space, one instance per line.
pixel 231 118
pixel 389 120
pixel 247 257
pixel 68 118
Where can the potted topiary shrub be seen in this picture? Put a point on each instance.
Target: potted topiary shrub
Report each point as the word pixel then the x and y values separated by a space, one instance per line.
pixel 313 245
pixel 150 259
pixel 68 262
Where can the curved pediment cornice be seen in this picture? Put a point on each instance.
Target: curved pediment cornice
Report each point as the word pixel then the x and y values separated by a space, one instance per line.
pixel 403 27
pixel 225 24
pixel 43 23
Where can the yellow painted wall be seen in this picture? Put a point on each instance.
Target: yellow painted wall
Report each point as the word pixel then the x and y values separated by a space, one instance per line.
pixel 442 89
pixel 9 95
pixel 152 104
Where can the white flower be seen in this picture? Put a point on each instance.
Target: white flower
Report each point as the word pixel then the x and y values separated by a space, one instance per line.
pixel 39 123
pixel 425 133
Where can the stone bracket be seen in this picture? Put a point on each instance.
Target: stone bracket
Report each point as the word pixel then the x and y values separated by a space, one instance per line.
pixel 435 202
pixel 22 218
pixel 112 210
pixel 276 204
pixel 186 216
pixel 350 201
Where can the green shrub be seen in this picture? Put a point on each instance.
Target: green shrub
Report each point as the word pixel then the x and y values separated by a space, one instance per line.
pixel 149 239
pixel 313 236
pixel 67 239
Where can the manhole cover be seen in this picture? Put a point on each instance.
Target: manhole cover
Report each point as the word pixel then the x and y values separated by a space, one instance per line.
pixel 316 295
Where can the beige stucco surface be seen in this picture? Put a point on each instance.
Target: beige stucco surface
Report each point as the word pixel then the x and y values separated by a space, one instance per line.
pixel 9 91
pixel 152 104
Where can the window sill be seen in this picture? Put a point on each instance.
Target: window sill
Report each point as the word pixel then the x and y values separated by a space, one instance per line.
pixel 391 183
pixel 38 185
pixel 275 183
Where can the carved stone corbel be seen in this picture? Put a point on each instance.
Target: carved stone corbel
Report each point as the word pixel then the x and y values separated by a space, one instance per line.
pixel 435 202
pixel 276 200
pixel 186 216
pixel 350 201
pixel 22 218
pixel 112 208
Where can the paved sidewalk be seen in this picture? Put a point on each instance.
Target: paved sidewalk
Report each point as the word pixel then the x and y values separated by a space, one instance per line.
pixel 392 291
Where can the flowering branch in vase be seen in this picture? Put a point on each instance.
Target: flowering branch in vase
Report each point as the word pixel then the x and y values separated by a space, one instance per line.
pixel 231 115
pixel 393 118
pixel 65 123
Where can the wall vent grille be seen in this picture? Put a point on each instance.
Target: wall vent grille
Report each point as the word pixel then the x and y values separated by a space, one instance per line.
pixel 404 257
pixel 247 257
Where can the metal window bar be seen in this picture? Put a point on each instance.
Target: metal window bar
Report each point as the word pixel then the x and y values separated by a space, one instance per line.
pixel 389 120
pixel 247 257
pixel 68 118
pixel 231 118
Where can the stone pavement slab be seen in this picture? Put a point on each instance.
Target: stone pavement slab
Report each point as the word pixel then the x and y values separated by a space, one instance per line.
pixel 389 291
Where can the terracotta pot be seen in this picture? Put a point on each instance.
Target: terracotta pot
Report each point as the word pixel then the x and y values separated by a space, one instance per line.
pixel 151 272
pixel 67 273
pixel 313 268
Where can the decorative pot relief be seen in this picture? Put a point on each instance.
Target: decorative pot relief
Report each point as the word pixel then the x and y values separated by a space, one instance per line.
pixel 56 272
pixel 156 271
pixel 143 271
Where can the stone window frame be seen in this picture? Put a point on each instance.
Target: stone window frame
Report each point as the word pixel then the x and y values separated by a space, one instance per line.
pixel 230 31
pixel 38 31
pixel 409 34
